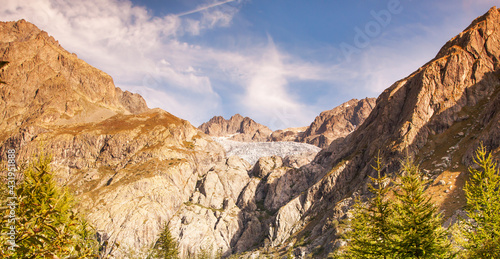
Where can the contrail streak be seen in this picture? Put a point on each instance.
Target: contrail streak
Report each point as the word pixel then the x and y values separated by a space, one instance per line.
pixel 205 8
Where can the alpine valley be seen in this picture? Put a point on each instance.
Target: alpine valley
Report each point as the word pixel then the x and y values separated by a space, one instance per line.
pixel 133 169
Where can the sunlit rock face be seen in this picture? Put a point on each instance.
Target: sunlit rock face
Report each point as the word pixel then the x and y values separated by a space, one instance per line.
pixel 130 167
pixel 133 169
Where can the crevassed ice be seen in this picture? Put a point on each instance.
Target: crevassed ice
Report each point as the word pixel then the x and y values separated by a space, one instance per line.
pixel 252 151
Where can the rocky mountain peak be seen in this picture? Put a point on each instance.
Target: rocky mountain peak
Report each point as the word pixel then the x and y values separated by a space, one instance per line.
pixel 237 117
pixel 475 39
pixel 237 128
pixel 337 122
pixel 438 115
pixel 46 84
pixel 134 168
pixel 327 127
pixel 121 159
pixel 459 84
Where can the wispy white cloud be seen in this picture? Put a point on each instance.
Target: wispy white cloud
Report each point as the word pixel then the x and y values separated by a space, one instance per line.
pixel 149 55
pixel 145 54
pixel 131 45
pixel 399 50
pixel 211 17
pixel 266 90
pixel 205 7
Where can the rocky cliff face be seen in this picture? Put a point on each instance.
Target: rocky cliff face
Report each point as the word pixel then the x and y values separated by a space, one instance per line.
pixel 289 134
pixel 337 122
pixel 48 85
pixel 234 205
pixel 237 128
pixel 439 114
pixel 134 170
pixel 130 167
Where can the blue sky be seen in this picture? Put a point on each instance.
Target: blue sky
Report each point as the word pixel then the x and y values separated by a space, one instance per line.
pixel 278 62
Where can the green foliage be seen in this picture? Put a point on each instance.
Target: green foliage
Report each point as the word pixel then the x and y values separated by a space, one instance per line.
pixel 480 236
pixel 318 250
pixel 289 253
pixel 417 224
pixel 203 254
pixel 304 240
pixel 206 253
pixel 166 246
pixel 46 224
pixel 408 227
pixel 369 230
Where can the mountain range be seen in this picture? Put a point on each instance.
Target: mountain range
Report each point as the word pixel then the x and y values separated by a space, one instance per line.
pixel 326 127
pixel 133 169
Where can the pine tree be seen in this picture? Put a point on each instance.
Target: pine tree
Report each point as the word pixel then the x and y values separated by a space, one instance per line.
pixel 166 246
pixel 370 227
pixel 480 236
pixel 46 225
pixel 417 223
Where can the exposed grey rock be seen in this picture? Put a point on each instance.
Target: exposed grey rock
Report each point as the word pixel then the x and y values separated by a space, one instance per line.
pixel 299 160
pixel 265 165
pixel 134 171
pixel 211 220
pixel 131 167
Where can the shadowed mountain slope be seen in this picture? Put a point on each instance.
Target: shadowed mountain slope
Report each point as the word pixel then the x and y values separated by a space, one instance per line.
pixel 439 114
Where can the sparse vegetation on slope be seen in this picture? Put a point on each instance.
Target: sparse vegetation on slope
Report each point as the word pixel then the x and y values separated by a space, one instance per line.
pixel 45 224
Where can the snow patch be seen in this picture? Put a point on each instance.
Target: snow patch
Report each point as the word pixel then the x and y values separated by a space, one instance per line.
pixel 252 151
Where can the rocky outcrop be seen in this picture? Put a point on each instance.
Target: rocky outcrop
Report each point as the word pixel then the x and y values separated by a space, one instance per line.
pixel 438 115
pixel 48 85
pixel 130 167
pixel 210 220
pixel 289 134
pixel 134 169
pixel 442 110
pixel 237 128
pixel 234 204
pixel 337 122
